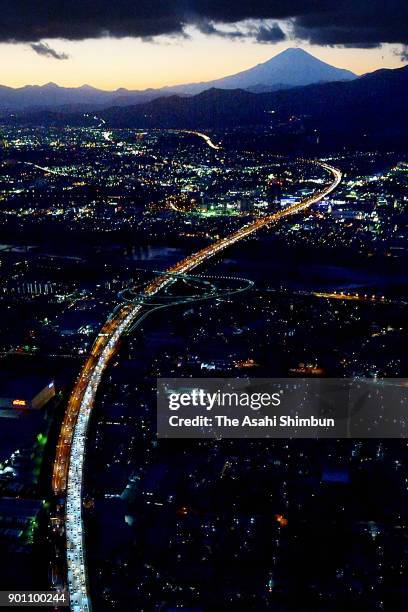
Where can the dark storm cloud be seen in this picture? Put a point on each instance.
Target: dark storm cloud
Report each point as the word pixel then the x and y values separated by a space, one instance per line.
pixel 265 33
pixel 361 23
pixel 269 34
pixel 34 20
pixel 403 54
pixel 207 27
pixel 355 23
pixel 43 48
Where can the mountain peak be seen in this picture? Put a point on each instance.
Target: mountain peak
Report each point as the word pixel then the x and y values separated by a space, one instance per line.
pixel 297 54
pixel 293 67
pixel 86 87
pixel 294 51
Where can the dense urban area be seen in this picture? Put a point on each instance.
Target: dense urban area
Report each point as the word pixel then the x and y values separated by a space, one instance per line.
pixel 94 219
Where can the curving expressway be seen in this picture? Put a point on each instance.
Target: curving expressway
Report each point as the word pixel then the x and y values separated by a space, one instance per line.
pixel 206 139
pixel 70 456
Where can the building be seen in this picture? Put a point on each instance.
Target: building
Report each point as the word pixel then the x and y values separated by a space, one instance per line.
pixel 274 195
pixel 25 393
pixel 245 205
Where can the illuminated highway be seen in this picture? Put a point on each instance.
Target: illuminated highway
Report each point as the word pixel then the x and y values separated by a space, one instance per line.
pixel 47 170
pixel 206 139
pixel 352 297
pixel 70 456
pixel 361 297
pixel 345 296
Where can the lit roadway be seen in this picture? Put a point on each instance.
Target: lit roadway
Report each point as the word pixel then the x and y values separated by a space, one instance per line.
pixel 206 139
pixel 46 170
pixel 70 456
pixel 352 297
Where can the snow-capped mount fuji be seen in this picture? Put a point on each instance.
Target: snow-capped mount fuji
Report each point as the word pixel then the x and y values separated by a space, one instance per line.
pixel 293 67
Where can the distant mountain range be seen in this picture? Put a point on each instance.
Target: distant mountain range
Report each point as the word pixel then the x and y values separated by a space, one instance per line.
pixel 291 68
pixel 365 113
